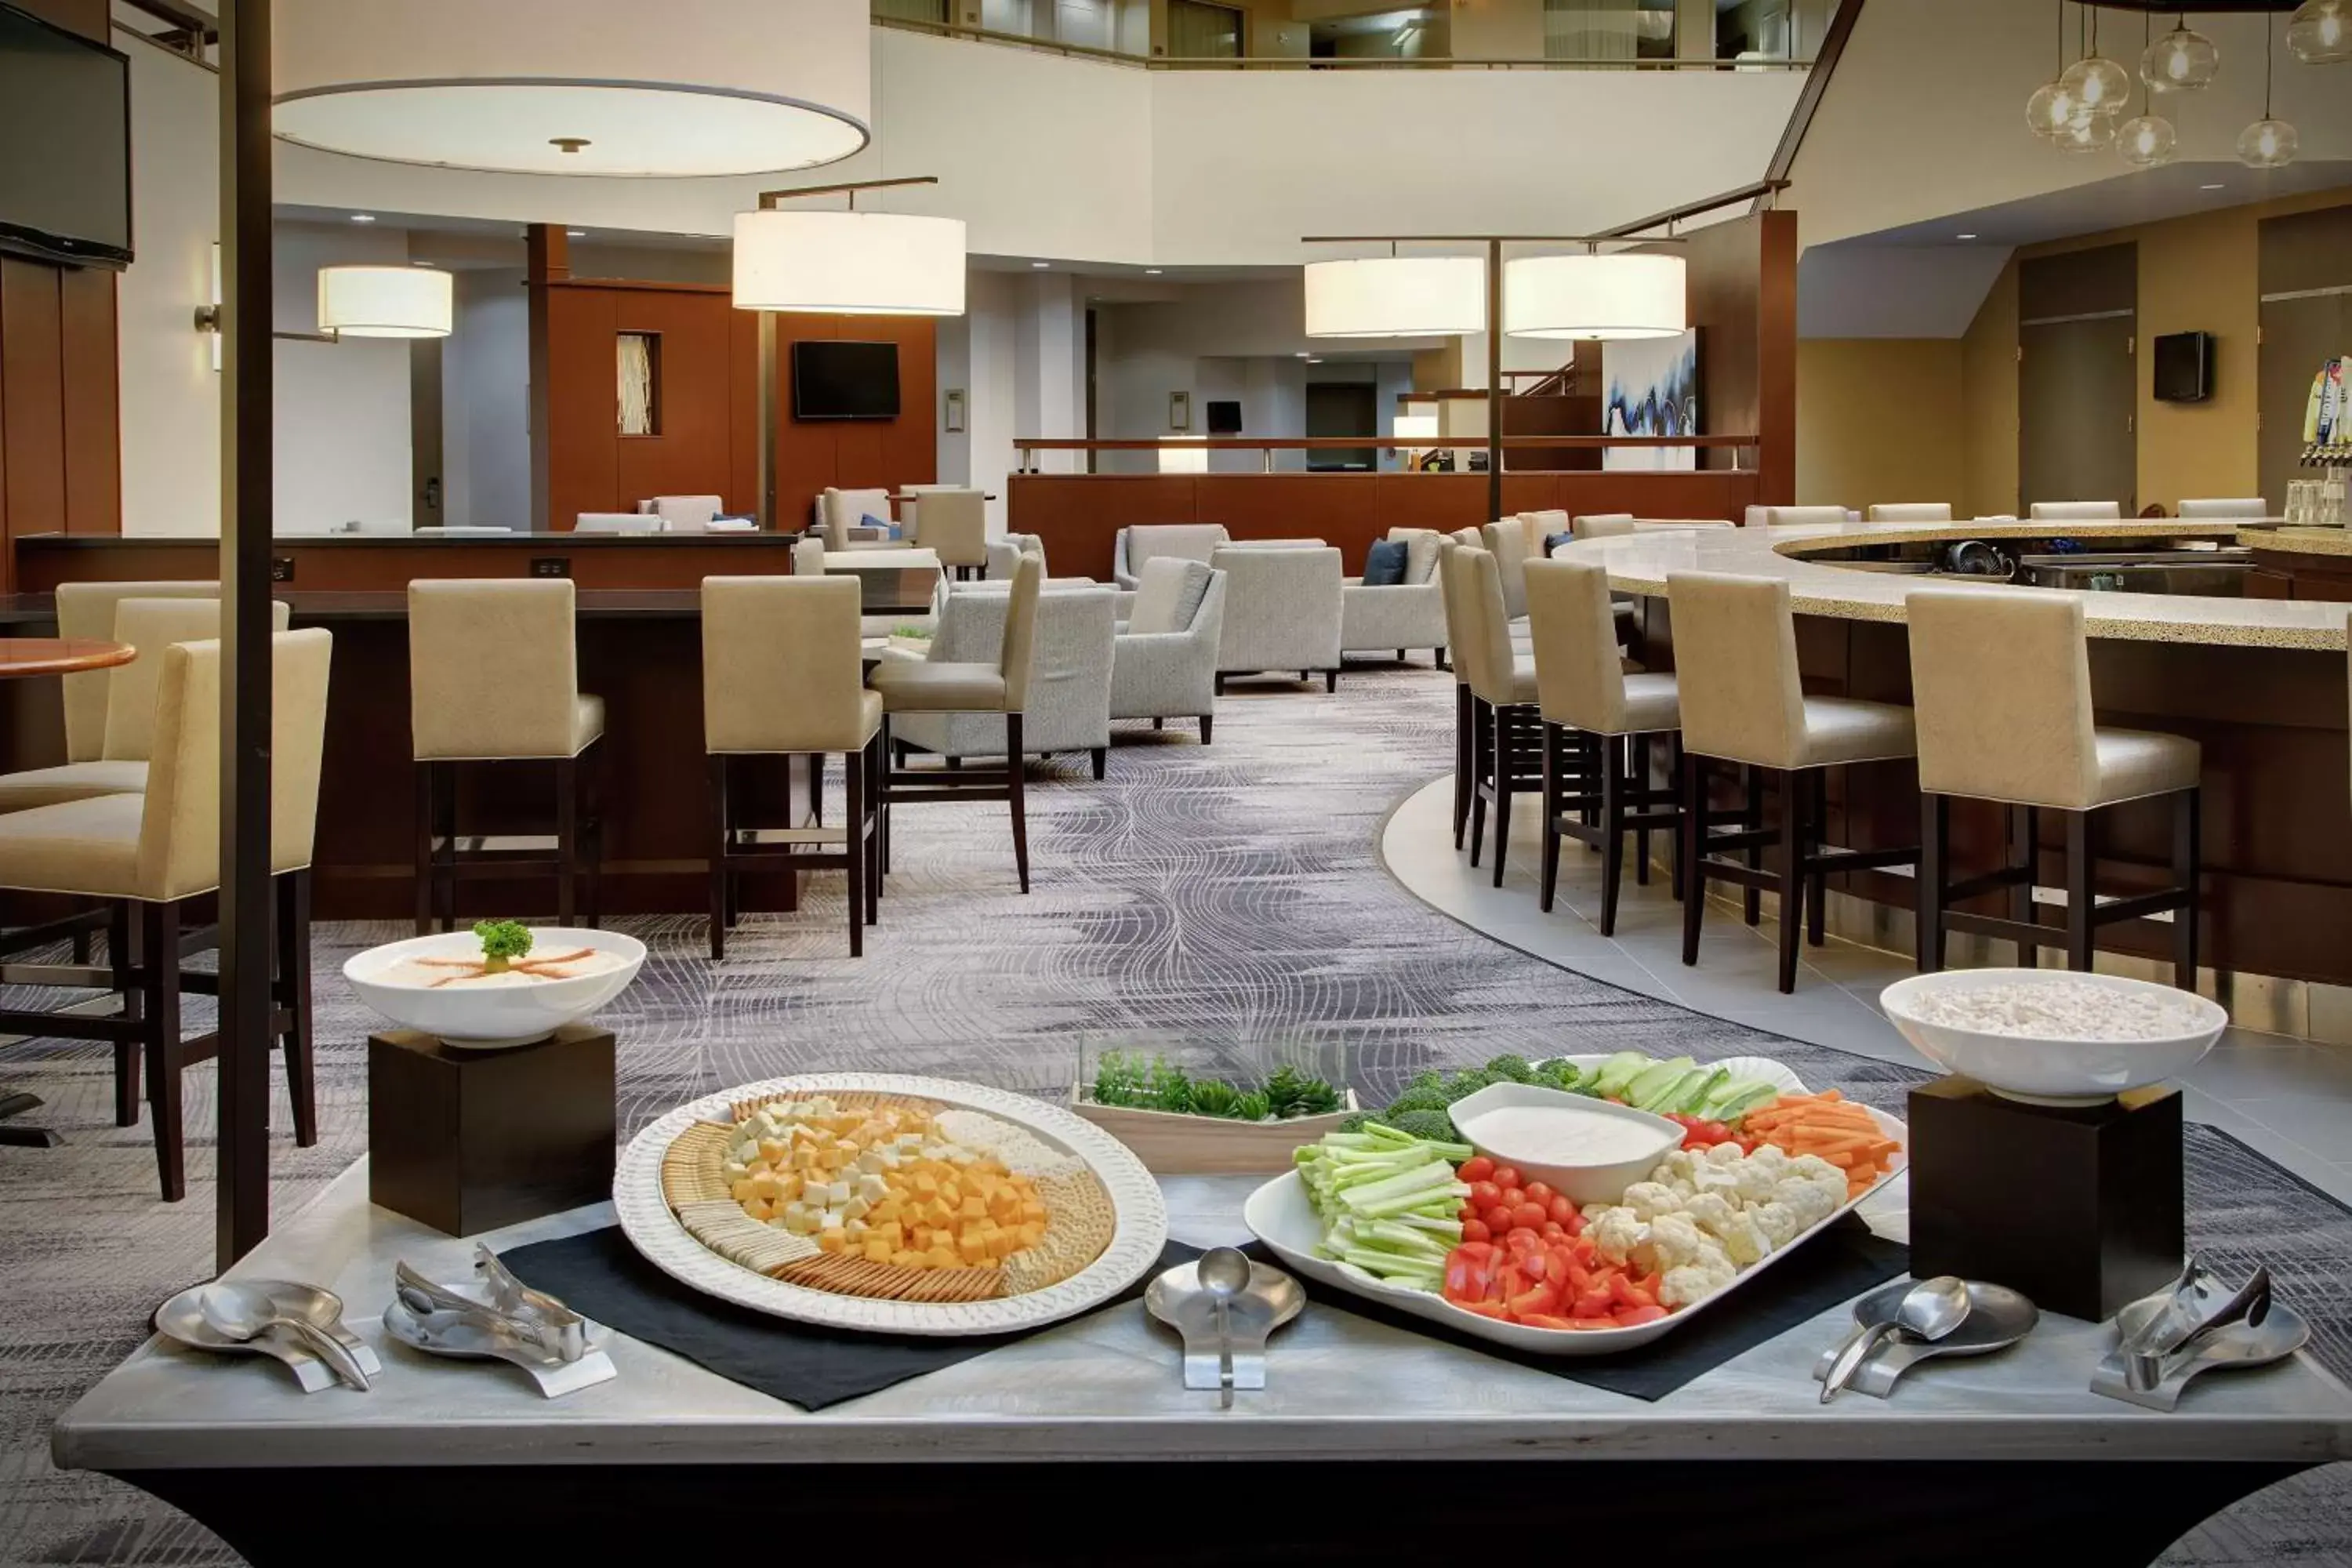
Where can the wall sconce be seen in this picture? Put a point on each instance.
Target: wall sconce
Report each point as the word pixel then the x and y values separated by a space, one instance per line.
pixel 359 302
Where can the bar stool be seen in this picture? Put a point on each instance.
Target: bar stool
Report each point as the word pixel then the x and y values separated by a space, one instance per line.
pixel 1743 701
pixel 493 677
pixel 146 855
pixel 927 685
pixel 2002 677
pixel 783 676
pixel 1458 635
pixel 1589 700
pixel 1507 543
pixel 953 523
pixel 1506 732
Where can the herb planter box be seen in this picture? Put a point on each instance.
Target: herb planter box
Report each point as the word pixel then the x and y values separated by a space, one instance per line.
pixel 1173 1144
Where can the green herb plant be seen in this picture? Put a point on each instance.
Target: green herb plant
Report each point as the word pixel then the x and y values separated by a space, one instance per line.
pixel 1129 1080
pixel 502 941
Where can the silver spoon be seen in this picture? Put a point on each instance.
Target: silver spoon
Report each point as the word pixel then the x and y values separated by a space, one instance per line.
pixel 1930 1310
pixel 1224 1273
pixel 240 1312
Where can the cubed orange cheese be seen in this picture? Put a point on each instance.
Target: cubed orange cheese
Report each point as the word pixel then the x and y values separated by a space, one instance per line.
pixel 832 1239
pixel 878 1250
pixel 974 1207
pixel 758 1209
pixel 971 1246
pixel 944 1257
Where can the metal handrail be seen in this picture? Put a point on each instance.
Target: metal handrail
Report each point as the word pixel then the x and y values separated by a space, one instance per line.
pixel 1306 62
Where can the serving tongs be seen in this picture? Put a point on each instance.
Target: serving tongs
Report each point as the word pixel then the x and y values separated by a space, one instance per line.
pixel 2187 1311
pixel 515 1312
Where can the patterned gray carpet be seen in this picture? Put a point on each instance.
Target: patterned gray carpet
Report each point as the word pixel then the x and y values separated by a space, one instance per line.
pixel 1213 896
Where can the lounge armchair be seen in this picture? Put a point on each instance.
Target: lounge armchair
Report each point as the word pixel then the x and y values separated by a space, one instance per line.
pixel 1283 609
pixel 1403 616
pixel 843 513
pixel 1069 679
pixel 1164 657
pixel 1184 540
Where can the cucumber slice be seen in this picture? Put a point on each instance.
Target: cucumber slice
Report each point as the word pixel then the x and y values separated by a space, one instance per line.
pixel 1655 1080
pixel 1735 1100
pixel 1692 1098
pixel 1612 1075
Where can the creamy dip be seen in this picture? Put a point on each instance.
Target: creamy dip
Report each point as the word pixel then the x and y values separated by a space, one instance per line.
pixel 1562 1135
pixel 448 974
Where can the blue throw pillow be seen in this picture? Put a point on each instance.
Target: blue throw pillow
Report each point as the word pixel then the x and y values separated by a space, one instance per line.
pixel 1384 563
pixel 1554 541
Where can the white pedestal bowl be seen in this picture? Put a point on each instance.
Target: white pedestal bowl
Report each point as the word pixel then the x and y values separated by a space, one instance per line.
pixel 2053 1068
pixel 489 1017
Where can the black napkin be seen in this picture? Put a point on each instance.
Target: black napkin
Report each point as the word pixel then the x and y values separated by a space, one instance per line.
pixel 599 1275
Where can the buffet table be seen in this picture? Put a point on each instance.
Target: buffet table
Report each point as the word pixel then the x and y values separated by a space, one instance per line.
pixel 1063 1447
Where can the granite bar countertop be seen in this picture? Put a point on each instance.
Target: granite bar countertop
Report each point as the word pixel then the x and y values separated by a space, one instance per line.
pixel 408 541
pixel 1640 564
pixel 2300 541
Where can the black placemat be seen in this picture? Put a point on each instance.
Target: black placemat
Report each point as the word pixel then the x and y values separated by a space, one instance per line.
pixel 601 1276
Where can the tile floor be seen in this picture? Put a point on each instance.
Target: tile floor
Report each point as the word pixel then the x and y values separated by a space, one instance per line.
pixel 2287 1099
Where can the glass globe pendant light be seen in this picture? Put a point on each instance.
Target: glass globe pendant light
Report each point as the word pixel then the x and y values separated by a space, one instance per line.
pixel 2087 132
pixel 2268 142
pixel 2320 32
pixel 2051 105
pixel 2183 60
pixel 2145 140
pixel 2097 82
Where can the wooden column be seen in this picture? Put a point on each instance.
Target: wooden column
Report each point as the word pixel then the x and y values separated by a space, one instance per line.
pixel 548 260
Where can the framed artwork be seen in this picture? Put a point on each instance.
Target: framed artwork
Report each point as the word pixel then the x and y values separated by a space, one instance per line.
pixel 1650 387
pixel 1179 411
pixel 953 422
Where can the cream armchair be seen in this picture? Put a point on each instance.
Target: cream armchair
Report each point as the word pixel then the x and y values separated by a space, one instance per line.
pixel 684 514
pixel 1403 616
pixel 839 510
pixel 1283 609
pixel 1184 540
pixel 1164 657
pixel 1068 701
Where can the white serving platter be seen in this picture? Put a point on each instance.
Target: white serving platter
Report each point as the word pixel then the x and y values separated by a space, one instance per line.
pixel 1141 1228
pixel 1279 1215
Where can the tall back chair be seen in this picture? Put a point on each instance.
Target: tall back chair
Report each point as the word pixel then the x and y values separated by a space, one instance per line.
pixel 493 676
pixel 1911 511
pixel 808 557
pixel 616 523
pixel 2239 507
pixel 150 626
pixel 1452 575
pixel 1602 524
pixel 1507 543
pixel 1743 700
pixel 1505 741
pixel 783 676
pixel 1791 516
pixel 1540 526
pixel 145 855
pixel 86 610
pixel 845 509
pixel 2076 510
pixel 953 523
pixel 2001 680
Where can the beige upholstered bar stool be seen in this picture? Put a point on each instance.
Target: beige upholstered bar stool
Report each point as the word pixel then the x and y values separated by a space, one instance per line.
pixel 1457 632
pixel 1590 702
pixel 926 686
pixel 1506 735
pixel 1743 701
pixel 1911 511
pixel 1507 543
pixel 493 677
pixel 2002 681
pixel 953 523
pixel 145 855
pixel 783 676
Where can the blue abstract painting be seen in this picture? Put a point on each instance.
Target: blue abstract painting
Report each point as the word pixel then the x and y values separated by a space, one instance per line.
pixel 1653 390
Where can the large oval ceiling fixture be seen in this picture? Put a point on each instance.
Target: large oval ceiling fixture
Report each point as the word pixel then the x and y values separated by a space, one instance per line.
pixel 1396 296
pixel 684 88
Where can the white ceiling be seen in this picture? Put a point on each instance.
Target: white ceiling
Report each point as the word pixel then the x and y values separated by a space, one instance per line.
pixel 2128 197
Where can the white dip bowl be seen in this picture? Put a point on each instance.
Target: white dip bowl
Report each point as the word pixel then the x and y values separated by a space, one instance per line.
pixel 1582 1183
pixel 2058 1064
pixel 490 1016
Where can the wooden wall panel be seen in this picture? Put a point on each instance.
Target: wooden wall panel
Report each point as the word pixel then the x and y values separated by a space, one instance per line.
pixel 89 373
pixel 32 365
pixel 690 454
pixel 583 406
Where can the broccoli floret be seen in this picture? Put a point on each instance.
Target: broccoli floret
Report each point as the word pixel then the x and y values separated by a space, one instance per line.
pixel 1430 1080
pixel 1356 1123
pixel 1513 1068
pixel 1463 1084
pixel 1420 1099
pixel 1433 1125
pixel 502 942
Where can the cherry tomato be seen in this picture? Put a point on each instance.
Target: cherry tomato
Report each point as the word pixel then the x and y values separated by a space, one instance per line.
pixel 1595 1302
pixel 1544 1320
pixel 1531 1216
pixel 1476 1169
pixel 1474 1230
pixel 1499 1219
pixel 1485 1194
pixel 1538 1193
pixel 1633 1317
pixel 1506 1176
pixel 1561 1209
pixel 1513 1196
pixel 1552 1231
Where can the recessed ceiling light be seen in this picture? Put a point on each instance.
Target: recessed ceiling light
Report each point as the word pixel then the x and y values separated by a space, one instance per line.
pixel 1151 272
pixel 1041 264
pixel 1303 354
pixel 1964 236
pixel 363 217
pixel 1312 360
pixel 2215 186
pixel 576 233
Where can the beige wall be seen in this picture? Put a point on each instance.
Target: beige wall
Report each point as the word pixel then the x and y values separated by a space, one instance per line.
pixel 1988 393
pixel 1879 419
pixel 1498 30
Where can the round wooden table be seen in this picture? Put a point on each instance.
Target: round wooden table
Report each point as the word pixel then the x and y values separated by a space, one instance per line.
pixel 48 656
pixel 60 656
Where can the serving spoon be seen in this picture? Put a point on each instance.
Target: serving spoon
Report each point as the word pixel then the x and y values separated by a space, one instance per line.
pixel 241 1312
pixel 1224 1273
pixel 1930 1310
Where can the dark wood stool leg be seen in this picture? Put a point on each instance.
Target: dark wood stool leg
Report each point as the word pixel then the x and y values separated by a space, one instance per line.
pixel 870 831
pixel 1482 728
pixel 1102 762
pixel 1014 770
pixel 1817 832
pixel 882 749
pixel 1693 865
pixel 293 935
pixel 853 813
pixel 424 823
pixel 591 811
pixel 1612 826
pixel 444 790
pixel 2185 831
pixel 1465 722
pixel 1641 776
pixel 1209 721
pixel 567 836
pixel 718 857
pixel 2080 899
pixel 1555 742
pixel 160 988
pixel 1751 900
pixel 816 790
pixel 1677 876
pixel 1792 875
pixel 121 956
pixel 2024 827
pixel 1935 819
pixel 1507 726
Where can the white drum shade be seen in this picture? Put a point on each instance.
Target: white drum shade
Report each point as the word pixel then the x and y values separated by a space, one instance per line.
pixel 1414 428
pixel 1396 296
pixel 385 301
pixel 1175 458
pixel 1594 296
pixel 849 263
pixel 577 87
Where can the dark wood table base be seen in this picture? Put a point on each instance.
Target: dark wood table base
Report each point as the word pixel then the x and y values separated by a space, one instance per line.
pixel 1820 1513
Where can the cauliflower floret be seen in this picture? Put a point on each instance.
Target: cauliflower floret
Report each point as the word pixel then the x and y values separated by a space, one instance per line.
pixel 1675 1239
pixel 1812 1198
pixel 1715 1177
pixel 1648 1200
pixel 1758 1176
pixel 1617 1232
pixel 1723 1155
pixel 1778 1221
pixel 1693 1282
pixel 1674 1172
pixel 1724 1220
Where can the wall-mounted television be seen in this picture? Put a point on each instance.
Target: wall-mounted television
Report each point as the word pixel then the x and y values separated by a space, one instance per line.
pixel 2184 367
pixel 1224 418
pixel 65 119
pixel 845 381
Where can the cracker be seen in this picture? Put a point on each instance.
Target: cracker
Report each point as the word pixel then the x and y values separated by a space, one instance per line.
pixel 846 1100
pixel 1080 1220
pixel 690 1169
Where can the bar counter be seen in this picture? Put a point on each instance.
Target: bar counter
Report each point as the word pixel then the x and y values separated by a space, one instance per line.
pixel 2259 683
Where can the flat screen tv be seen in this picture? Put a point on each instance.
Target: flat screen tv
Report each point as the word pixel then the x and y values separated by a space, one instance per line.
pixel 845 381
pixel 2184 367
pixel 69 97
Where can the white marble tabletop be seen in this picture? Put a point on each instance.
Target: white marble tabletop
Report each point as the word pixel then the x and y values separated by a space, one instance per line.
pixel 1639 563
pixel 1106 1387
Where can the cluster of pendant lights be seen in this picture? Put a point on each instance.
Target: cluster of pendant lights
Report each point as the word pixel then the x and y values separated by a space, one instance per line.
pixel 1591 296
pixel 2081 110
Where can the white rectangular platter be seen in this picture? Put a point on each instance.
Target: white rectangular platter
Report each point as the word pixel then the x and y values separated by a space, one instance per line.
pixel 1279 1215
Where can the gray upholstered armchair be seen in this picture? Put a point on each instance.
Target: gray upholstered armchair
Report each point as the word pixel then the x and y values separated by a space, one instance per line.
pixel 1069 679
pixel 1397 616
pixel 1282 612
pixel 1164 660
pixel 1144 542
